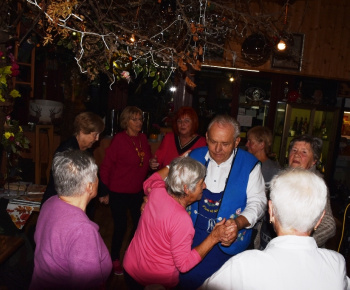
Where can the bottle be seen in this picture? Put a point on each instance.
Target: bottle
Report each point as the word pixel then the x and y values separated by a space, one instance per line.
pixel 300 126
pixel 324 129
pixel 305 128
pixel 279 130
pixel 294 128
pixel 300 92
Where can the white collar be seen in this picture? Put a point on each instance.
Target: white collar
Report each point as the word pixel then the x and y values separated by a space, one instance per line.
pixel 223 164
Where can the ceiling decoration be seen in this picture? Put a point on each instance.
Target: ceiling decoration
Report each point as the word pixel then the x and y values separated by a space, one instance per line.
pixel 153 38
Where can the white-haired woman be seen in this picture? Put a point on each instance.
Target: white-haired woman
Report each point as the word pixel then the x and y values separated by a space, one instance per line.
pixel 292 260
pixel 161 247
pixel 70 253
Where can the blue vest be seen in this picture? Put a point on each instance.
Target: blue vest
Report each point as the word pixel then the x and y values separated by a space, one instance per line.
pixel 234 199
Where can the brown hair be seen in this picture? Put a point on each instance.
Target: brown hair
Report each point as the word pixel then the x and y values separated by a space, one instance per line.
pixel 128 113
pixel 191 113
pixel 88 122
pixel 262 134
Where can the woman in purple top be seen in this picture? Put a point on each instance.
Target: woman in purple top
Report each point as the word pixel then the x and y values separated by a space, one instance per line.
pixel 70 253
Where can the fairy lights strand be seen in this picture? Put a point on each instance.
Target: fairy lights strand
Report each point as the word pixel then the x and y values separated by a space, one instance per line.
pixel 84 33
pixel 210 22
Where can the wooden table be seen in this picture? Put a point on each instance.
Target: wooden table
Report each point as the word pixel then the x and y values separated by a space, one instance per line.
pixel 9 245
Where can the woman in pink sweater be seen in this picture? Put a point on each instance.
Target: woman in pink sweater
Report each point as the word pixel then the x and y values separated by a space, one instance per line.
pixel 161 247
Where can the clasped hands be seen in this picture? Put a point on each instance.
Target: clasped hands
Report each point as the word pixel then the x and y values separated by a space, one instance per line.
pixel 225 231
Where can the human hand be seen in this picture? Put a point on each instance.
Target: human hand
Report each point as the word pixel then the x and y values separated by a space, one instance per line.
pixel 153 163
pixel 231 233
pixel 145 200
pixel 104 199
pixel 218 232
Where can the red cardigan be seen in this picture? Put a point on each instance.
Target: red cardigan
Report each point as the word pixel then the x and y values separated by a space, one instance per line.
pixel 167 150
pixel 120 170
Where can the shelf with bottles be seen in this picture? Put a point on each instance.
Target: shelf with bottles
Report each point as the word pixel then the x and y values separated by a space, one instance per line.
pixel 298 119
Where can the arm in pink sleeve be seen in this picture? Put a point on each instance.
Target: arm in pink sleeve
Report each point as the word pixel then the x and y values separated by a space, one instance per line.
pixel 154 181
pixel 184 257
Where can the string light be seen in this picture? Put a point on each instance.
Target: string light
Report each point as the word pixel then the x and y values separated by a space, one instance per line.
pixel 215 22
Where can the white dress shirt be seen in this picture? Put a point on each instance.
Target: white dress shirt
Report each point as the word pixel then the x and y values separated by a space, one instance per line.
pixel 288 263
pixel 215 181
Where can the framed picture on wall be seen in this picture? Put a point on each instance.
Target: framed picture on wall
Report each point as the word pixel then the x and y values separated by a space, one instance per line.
pixel 292 59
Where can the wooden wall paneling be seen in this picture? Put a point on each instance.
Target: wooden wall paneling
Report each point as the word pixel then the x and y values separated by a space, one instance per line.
pixel 338 57
pixel 343 52
pixel 327 38
pixel 310 27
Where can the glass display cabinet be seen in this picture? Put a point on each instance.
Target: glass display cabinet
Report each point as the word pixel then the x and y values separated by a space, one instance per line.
pixel 341 180
pixel 254 104
pixel 252 114
pixel 293 119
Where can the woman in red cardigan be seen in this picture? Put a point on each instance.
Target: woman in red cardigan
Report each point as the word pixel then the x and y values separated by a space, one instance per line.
pixel 122 172
pixel 182 139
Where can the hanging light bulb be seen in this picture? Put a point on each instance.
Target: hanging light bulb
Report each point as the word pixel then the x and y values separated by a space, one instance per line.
pixel 132 38
pixel 284 40
pixel 281 45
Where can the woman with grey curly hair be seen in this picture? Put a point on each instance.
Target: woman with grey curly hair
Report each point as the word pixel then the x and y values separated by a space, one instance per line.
pixel 305 152
pixel 161 247
pixel 70 252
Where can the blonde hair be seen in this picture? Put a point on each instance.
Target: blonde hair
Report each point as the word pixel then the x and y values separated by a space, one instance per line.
pixel 262 134
pixel 128 113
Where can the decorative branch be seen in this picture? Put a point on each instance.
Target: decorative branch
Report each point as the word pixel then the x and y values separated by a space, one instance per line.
pixel 149 36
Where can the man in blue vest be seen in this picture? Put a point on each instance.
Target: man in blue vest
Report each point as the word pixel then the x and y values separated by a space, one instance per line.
pixel 235 190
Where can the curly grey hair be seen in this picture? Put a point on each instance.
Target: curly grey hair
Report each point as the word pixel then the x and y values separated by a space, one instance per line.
pixel 184 171
pixel 72 170
pixel 315 143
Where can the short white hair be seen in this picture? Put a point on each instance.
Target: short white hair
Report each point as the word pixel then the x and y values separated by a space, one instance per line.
pixel 184 171
pixel 72 170
pixel 298 197
pixel 226 120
